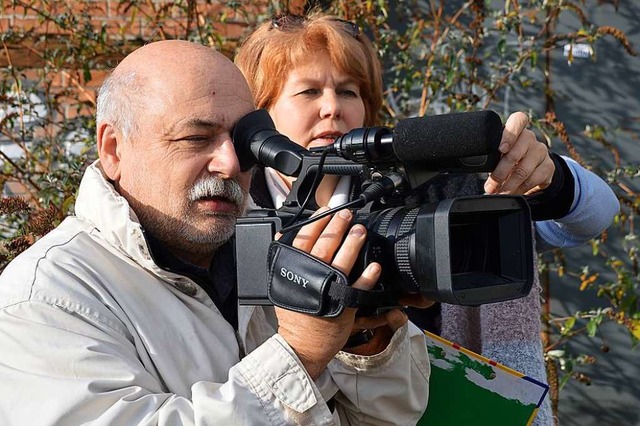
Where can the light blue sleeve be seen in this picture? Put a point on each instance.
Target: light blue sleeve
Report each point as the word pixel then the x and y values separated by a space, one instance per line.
pixel 593 210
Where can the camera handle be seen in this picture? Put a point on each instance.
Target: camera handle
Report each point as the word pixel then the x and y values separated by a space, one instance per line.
pixel 377 189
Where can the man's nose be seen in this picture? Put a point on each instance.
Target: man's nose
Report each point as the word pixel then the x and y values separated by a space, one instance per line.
pixel 224 160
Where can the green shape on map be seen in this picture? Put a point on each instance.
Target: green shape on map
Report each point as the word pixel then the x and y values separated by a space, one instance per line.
pixel 456 400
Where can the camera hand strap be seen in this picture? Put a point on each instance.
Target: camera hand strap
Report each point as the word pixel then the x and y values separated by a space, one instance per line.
pixel 302 283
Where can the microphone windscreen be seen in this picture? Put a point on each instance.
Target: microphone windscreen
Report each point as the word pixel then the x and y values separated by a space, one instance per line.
pixel 446 136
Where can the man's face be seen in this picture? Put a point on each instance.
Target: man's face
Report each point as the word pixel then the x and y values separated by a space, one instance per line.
pixel 179 171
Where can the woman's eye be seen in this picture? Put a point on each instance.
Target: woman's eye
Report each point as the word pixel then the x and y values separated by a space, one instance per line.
pixel 310 92
pixel 350 93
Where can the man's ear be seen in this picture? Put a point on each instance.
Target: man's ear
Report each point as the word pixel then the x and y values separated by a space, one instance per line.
pixel 109 141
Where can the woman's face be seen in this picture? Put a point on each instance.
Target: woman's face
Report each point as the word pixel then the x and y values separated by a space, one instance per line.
pixel 317 104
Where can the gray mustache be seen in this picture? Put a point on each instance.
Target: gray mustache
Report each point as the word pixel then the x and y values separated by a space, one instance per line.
pixel 215 187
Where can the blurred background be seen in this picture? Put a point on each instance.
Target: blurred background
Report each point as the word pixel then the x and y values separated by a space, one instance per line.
pixel 573 66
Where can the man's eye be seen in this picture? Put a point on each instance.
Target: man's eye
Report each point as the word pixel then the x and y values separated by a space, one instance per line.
pixel 196 139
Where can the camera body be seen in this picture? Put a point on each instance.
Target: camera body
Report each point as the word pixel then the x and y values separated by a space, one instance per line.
pixel 467 251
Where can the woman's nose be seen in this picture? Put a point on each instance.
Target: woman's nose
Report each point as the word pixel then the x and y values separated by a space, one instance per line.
pixel 330 107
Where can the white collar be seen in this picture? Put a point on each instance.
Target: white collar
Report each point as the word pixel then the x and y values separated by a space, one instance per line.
pixel 279 190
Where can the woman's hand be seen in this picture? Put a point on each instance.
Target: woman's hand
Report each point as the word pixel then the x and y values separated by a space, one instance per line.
pixel 525 166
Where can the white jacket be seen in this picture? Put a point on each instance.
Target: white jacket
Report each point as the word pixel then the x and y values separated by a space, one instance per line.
pixel 93 332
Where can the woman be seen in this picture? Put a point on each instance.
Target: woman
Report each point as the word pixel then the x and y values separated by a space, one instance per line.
pixel 320 77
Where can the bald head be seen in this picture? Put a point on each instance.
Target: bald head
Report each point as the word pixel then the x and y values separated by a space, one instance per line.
pixel 175 58
pixel 159 72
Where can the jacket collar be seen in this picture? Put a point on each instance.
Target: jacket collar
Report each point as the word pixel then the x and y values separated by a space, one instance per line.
pixel 100 204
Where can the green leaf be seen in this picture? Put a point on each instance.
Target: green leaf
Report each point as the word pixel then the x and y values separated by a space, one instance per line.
pixel 86 73
pixel 564 380
pixel 502 46
pixel 592 327
pixel 568 325
pixel 450 76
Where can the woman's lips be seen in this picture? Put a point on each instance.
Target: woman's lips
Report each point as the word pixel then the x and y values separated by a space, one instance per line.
pixel 324 139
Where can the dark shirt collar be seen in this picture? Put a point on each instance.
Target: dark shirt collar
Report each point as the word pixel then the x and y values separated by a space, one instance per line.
pixel 219 281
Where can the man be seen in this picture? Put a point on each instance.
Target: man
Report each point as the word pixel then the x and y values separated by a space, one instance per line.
pixel 126 314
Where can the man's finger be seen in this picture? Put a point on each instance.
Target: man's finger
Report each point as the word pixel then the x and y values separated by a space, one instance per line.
pixel 331 236
pixel 348 252
pixel 369 277
pixel 366 281
pixel 308 234
pixel 396 318
pixel 416 301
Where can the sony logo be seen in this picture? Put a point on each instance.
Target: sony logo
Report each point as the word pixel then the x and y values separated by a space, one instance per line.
pixel 293 277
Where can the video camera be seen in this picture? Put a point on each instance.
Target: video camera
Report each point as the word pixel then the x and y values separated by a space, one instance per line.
pixel 468 251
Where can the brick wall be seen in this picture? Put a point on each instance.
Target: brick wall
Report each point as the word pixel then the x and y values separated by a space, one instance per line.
pixel 59 51
pixel 104 31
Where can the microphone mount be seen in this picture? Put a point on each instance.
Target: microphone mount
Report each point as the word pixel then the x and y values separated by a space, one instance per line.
pixel 366 145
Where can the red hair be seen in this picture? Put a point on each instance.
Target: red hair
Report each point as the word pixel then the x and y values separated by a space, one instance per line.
pixel 268 55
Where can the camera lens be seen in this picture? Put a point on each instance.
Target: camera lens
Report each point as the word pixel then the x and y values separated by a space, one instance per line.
pixel 391 243
pixel 470 250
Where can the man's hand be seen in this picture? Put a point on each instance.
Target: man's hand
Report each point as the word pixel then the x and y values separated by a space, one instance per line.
pixel 386 324
pixel 525 166
pixel 316 340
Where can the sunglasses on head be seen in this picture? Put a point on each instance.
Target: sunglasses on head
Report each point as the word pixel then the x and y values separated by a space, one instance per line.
pixel 282 22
